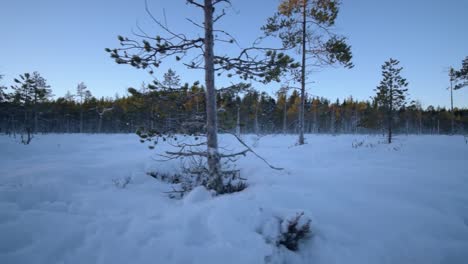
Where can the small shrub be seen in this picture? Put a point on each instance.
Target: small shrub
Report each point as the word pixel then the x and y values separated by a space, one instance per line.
pixel 287 232
pixel 293 231
pixel 184 182
pixel 166 177
pixel 357 144
pixel 122 182
pixel 232 182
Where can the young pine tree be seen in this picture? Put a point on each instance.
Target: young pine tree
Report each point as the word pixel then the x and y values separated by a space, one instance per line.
pixel 391 93
pixel 196 51
pixel 307 27
pixel 83 94
pixel 29 91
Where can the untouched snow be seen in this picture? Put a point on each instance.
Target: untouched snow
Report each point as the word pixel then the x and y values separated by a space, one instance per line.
pixel 64 199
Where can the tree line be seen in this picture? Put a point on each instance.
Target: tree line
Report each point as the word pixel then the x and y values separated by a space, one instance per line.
pixel 28 107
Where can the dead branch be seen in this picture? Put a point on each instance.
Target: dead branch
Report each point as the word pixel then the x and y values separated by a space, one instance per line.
pixel 249 149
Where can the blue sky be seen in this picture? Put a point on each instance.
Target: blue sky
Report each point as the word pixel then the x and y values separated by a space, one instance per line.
pixel 65 41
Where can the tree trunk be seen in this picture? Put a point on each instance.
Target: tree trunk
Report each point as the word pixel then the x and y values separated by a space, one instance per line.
pixel 389 128
pixel 407 126
pixel 332 121
pixel 152 114
pixel 211 116
pixel 238 128
pixel 420 122
pixel 256 130
pixel 285 113
pixel 99 124
pixel 356 122
pixel 451 107
pixel 36 122
pixel 390 117
pixel 303 72
pixel 315 121
pixel 81 119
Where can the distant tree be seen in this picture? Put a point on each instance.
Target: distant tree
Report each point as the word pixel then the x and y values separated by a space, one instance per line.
pixel 41 93
pixel 458 80
pixel 29 92
pixel 306 26
pixel 283 105
pixel 83 95
pixel 4 98
pixel 24 93
pixel 170 95
pixel 333 113
pixel 3 94
pixel 453 84
pixel 69 97
pixel 234 92
pixel 171 79
pixel 391 93
pixel 101 111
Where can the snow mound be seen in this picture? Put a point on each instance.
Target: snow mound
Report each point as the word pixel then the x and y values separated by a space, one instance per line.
pixel 197 195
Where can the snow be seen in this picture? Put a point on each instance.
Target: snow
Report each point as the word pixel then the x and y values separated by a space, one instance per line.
pixel 87 199
pixel 197 195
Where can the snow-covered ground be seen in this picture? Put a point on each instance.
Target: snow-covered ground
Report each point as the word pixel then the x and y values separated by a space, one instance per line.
pixel 404 203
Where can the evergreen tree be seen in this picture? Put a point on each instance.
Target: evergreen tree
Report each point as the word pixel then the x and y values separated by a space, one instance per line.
pixel 306 26
pixel 83 94
pixel 461 76
pixel 282 107
pixel 149 52
pixel 4 99
pixel 391 93
pixel 3 94
pixel 171 79
pixel 25 92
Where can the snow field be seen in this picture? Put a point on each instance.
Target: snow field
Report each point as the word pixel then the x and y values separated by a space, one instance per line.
pixel 404 203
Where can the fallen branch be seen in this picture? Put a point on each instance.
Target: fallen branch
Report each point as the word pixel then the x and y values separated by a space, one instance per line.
pixel 249 149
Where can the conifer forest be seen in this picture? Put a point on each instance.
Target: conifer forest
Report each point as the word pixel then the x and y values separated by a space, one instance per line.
pixel 35 108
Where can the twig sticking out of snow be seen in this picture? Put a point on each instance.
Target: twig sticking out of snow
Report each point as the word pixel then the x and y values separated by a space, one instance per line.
pixel 249 149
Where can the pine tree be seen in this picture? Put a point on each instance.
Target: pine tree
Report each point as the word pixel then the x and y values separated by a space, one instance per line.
pixel 391 93
pixel 4 99
pixel 3 95
pixel 461 76
pixel 306 25
pixel 25 95
pixel 171 79
pixel 149 52
pixel 83 94
pixel 282 106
